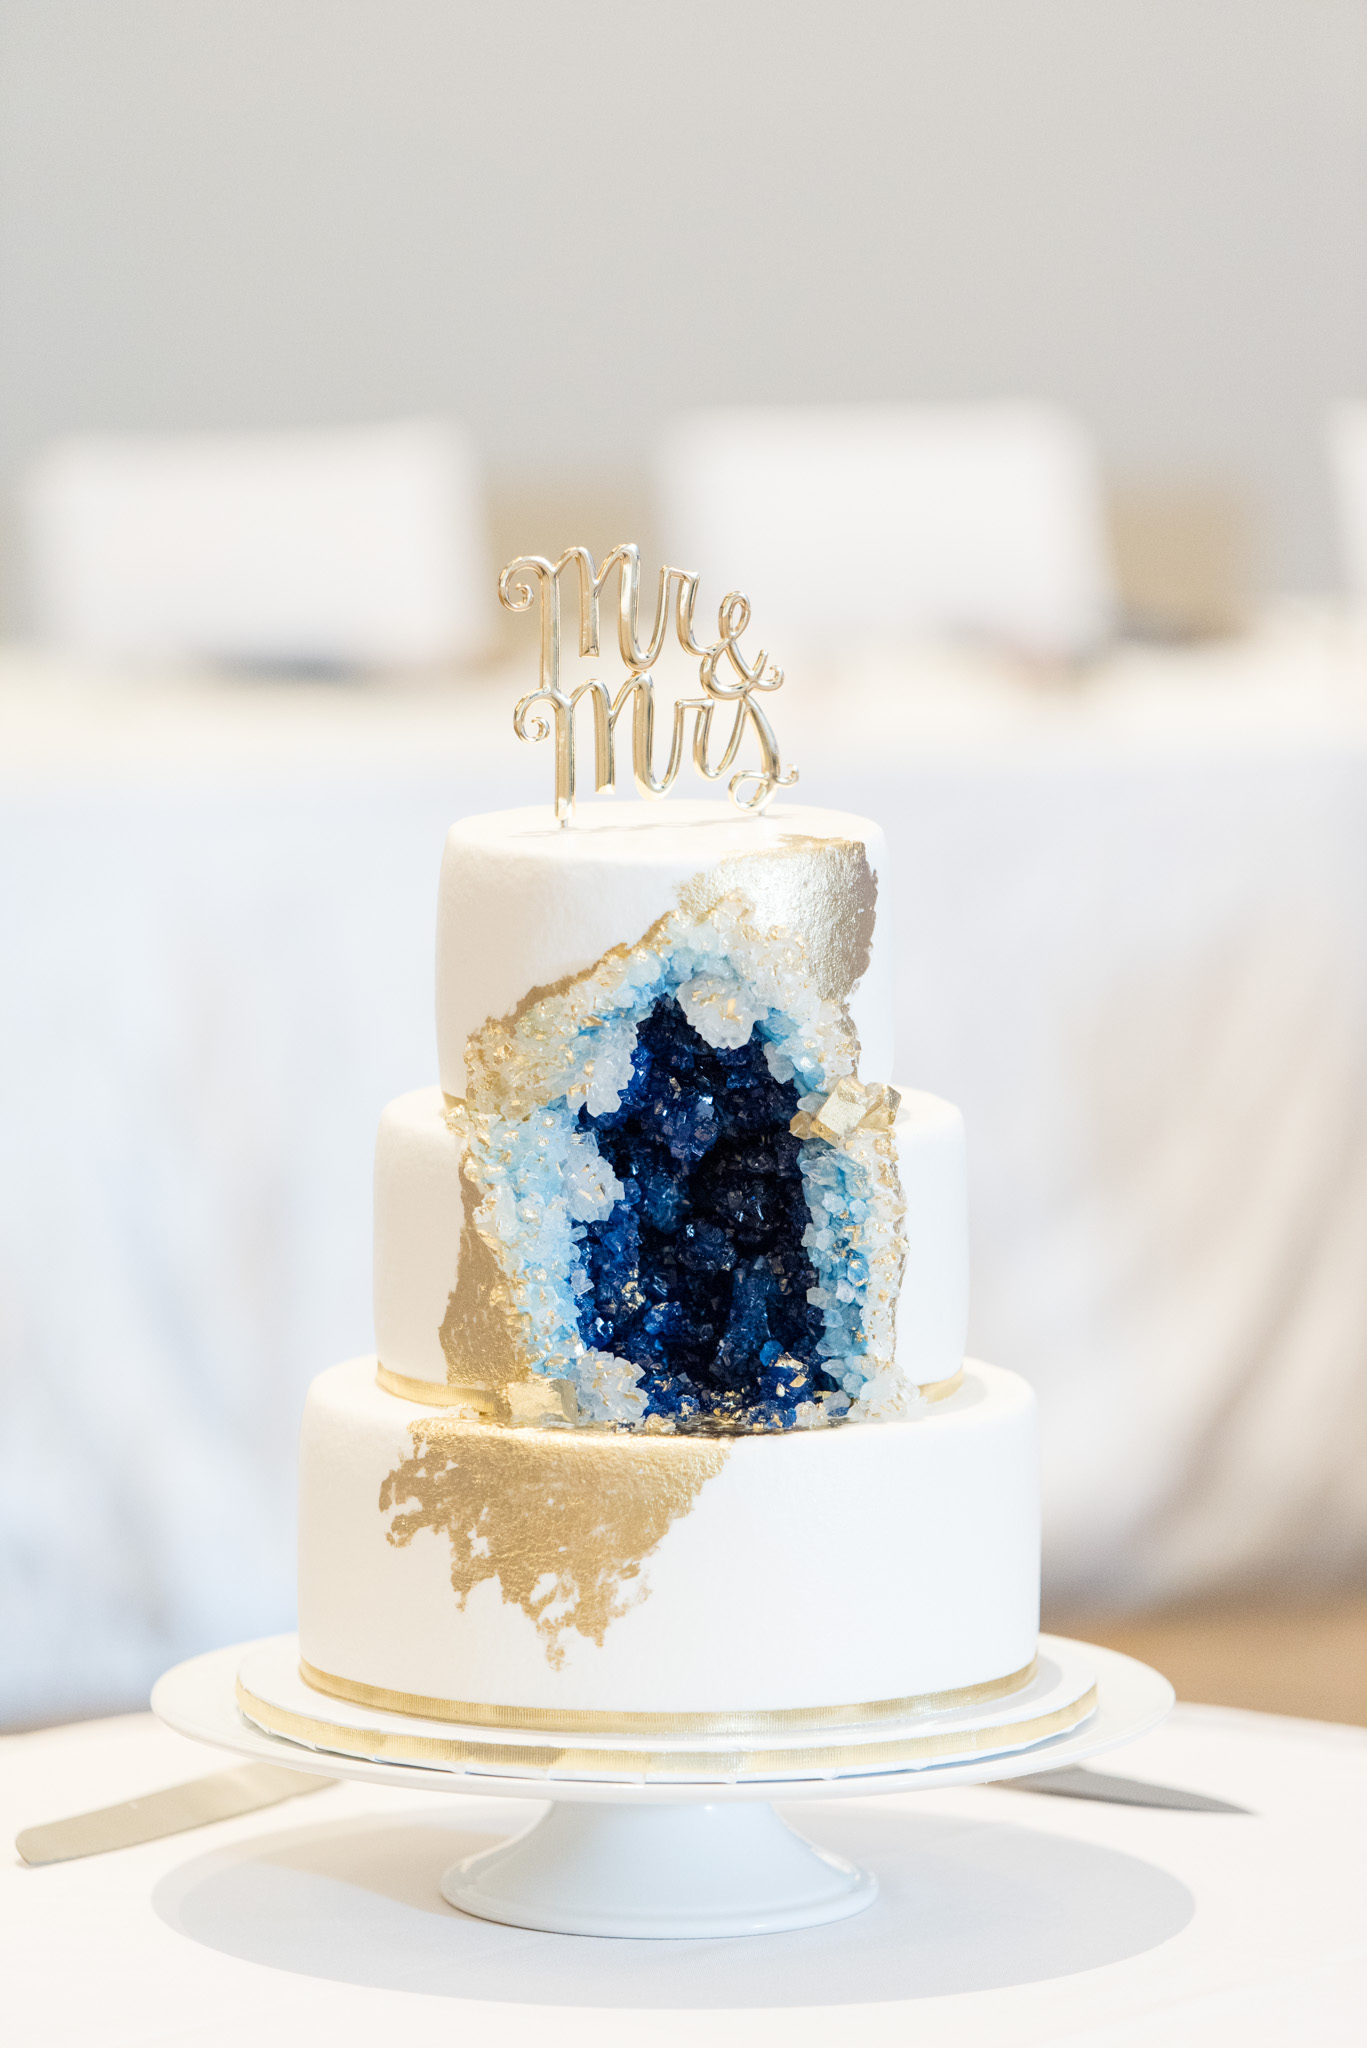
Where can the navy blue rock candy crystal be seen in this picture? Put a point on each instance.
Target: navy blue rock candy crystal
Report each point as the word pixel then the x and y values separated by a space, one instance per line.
pixel 699 1274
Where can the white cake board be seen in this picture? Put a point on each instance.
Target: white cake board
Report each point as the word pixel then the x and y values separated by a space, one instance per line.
pixel 660 1859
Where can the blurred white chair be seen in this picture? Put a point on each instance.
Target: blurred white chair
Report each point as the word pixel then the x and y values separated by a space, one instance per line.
pixel 1347 438
pixel 912 521
pixel 361 547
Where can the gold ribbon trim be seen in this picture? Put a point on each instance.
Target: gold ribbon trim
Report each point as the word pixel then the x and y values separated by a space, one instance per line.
pixel 940 1390
pixel 445 1394
pixel 432 1393
pixel 381 1746
pixel 557 1721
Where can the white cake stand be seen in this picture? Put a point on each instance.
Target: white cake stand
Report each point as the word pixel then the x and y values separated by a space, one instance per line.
pixel 658 1859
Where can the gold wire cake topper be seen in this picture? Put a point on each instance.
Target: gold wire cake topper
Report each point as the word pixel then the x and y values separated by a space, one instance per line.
pixel 535 575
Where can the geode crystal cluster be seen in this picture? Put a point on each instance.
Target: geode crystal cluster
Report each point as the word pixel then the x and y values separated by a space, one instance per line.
pixel 700 1273
pixel 694 1203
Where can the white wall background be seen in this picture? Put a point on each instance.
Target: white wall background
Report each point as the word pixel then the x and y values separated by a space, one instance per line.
pixel 561 221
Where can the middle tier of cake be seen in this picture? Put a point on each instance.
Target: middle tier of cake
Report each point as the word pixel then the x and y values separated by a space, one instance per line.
pixel 439 1331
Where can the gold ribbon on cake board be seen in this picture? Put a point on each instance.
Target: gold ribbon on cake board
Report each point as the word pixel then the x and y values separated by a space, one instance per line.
pixel 432 1393
pixel 398 1746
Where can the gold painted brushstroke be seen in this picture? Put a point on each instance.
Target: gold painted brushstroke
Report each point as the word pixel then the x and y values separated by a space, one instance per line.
pixel 564 1520
pixel 821 889
pixel 737 1721
pixel 479 1333
pixel 709 1765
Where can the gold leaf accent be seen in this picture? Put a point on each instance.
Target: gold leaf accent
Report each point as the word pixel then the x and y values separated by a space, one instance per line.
pixel 479 1332
pixel 563 1519
pixel 823 890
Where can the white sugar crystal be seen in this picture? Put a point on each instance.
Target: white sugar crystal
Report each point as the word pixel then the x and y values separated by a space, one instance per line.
pixel 607 1388
pixel 591 1186
pixel 778 1063
pixel 613 1047
pixel 721 1009
pixel 888 1397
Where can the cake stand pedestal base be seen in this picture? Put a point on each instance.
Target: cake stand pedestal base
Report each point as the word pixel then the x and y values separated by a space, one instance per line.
pixel 659 1873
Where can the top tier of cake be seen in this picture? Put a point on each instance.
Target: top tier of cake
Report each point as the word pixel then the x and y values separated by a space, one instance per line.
pixel 526 907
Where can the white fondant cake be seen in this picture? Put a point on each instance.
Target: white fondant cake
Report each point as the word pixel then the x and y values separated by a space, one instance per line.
pixel 668 1414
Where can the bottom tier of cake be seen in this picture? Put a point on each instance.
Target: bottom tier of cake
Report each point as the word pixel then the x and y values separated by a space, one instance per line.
pixel 524 1577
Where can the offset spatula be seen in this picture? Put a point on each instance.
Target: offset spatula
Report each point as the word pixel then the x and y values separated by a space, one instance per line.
pixel 1072 1781
pixel 223 1796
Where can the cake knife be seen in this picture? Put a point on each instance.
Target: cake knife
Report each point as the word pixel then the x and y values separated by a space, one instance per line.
pixel 223 1796
pixel 1072 1781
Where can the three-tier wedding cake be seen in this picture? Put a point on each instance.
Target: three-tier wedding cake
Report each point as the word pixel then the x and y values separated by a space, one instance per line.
pixel 669 1424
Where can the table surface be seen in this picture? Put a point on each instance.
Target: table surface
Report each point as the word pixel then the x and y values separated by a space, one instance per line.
pixel 1004 1918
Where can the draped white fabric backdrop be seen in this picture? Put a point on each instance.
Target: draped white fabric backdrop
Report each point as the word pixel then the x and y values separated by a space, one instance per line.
pixel 1132 920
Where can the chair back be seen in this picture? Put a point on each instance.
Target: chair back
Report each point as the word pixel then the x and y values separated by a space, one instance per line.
pixel 1347 438
pixel 356 548
pixel 942 520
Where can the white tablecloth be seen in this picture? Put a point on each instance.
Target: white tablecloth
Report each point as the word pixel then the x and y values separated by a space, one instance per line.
pixel 1133 945
pixel 1003 1918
